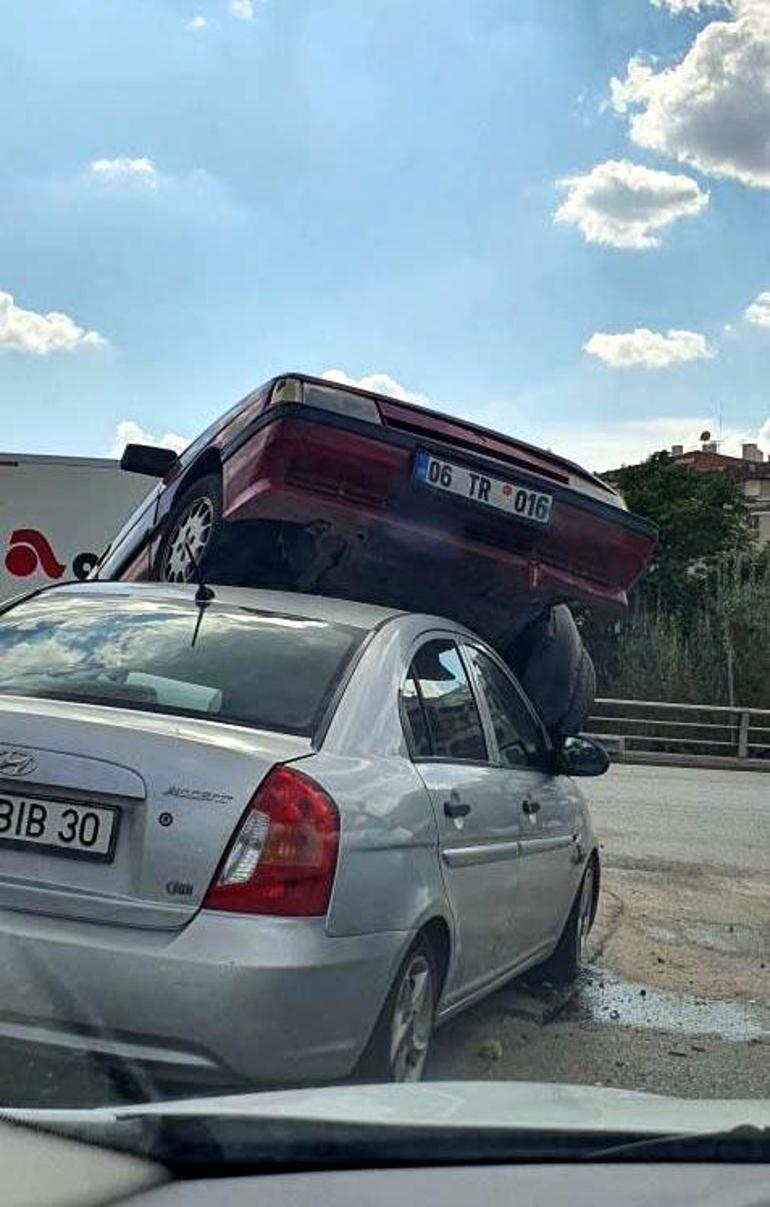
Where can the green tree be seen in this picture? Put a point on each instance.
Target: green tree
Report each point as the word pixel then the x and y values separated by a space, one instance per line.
pixel 698 628
pixel 700 517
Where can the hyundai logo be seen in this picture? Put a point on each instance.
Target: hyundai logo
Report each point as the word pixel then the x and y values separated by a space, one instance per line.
pixel 17 762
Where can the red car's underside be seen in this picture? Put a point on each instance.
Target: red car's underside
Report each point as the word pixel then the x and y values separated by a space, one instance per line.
pixel 355 523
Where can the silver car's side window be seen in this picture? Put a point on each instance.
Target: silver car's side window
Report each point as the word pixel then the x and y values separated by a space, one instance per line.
pixel 415 720
pixel 439 707
pixel 518 741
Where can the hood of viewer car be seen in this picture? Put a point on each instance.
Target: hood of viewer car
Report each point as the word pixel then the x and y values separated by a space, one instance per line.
pixel 514 1104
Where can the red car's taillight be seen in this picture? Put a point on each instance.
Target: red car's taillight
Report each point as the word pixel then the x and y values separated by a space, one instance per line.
pixel 284 854
pixel 337 398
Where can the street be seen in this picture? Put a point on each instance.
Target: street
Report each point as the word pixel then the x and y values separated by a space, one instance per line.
pixel 676 997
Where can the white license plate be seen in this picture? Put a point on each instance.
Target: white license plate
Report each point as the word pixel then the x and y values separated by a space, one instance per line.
pixel 85 831
pixel 471 484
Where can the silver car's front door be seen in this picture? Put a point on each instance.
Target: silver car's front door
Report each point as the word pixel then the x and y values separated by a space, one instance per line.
pixel 478 830
pixel 544 804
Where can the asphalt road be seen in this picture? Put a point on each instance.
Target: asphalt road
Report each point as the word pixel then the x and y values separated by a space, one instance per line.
pixel 676 997
pixel 663 817
pixel 687 856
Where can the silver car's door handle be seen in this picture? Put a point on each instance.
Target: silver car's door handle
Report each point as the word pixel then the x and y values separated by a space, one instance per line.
pixel 456 808
pixel 530 806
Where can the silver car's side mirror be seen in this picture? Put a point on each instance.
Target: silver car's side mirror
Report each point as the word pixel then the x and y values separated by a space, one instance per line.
pixel 582 756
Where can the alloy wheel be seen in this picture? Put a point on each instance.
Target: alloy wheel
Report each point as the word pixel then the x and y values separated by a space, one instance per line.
pixel 585 909
pixel 189 536
pixel 412 1020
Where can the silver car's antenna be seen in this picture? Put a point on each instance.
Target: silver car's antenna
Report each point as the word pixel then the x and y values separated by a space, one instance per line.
pixel 203 594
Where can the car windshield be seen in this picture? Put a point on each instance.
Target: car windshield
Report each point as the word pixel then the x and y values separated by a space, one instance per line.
pixel 385 568
pixel 261 669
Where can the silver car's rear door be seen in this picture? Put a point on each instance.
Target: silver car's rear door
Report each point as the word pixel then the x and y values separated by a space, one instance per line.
pixel 478 831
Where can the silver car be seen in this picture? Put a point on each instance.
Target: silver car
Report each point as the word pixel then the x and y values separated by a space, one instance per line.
pixel 272 837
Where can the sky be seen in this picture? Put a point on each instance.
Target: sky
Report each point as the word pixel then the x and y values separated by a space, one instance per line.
pixel 550 216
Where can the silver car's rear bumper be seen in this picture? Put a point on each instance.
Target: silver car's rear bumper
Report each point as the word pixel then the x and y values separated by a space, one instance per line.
pixel 261 999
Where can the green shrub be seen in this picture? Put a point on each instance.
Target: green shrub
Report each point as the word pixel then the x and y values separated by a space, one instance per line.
pixel 714 650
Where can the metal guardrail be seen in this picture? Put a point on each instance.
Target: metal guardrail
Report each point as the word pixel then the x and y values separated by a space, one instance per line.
pixel 656 731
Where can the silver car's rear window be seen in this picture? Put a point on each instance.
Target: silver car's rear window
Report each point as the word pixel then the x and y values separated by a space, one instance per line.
pixel 262 669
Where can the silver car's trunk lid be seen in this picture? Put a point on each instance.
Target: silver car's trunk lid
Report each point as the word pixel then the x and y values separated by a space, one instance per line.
pixel 178 787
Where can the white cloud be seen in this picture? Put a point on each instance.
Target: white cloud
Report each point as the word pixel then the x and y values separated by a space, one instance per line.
pixel 378 383
pixel 196 23
pixel 642 348
pixel 129 432
pixel 123 168
pixel 690 6
pixel 242 10
pixel 193 197
pixel 41 334
pixel 627 442
pixel 758 312
pixel 711 109
pixel 624 204
pixel 732 441
pixel 623 442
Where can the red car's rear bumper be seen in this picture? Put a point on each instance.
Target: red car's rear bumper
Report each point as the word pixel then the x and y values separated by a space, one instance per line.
pixel 355 479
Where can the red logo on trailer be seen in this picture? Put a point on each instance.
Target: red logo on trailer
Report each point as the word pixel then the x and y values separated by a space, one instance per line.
pixel 29 551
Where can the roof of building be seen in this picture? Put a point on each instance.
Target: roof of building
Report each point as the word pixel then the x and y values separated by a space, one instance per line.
pixel 699 459
pixel 708 462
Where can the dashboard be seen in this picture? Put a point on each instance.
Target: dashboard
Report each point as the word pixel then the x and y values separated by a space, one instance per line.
pixel 44 1170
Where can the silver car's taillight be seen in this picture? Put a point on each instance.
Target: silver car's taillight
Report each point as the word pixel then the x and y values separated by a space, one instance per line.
pixel 283 856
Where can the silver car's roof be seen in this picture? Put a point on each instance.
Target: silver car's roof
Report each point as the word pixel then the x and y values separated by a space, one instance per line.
pixel 288 603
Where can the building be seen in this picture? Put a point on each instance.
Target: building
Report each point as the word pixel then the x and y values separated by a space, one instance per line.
pixel 751 470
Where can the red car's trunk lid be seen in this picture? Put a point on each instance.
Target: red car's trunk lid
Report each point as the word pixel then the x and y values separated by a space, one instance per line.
pixel 515 453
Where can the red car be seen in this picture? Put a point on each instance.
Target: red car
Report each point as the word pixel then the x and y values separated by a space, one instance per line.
pixel 336 490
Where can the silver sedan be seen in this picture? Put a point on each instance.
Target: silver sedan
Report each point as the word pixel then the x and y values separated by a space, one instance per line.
pixel 271 837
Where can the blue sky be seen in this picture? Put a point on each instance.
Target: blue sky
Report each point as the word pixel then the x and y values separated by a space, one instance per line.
pixel 215 191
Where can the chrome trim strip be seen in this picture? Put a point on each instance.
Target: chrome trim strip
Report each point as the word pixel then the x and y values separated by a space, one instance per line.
pixel 538 846
pixel 488 852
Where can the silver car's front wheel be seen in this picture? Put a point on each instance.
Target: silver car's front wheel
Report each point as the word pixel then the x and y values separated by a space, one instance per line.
pixel 563 965
pixel 398 1048
pixel 585 914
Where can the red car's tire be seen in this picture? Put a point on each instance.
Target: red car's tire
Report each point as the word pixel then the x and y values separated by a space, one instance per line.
pixel 190 528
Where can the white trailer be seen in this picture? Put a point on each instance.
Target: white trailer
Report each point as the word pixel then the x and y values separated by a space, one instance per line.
pixel 57 514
